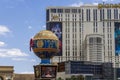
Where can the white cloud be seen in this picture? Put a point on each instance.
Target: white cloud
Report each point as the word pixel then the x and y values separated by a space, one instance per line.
pixel 4 30
pixel 44 26
pixel 27 72
pixel 107 0
pixel 19 59
pixel 77 4
pixel 12 53
pixel 2 44
pixel 33 60
pixel 23 59
pixel 95 3
pixel 29 27
pixel 104 0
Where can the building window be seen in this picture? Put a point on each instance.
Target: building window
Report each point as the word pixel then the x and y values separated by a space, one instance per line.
pixel 60 10
pixel 66 46
pixel 110 24
pixel 103 30
pixel 79 10
pixel 109 29
pixel 96 24
pixel 110 35
pixel 119 16
pixel 74 10
pixel 47 15
pixel 99 40
pixel 93 26
pixel 103 14
pixel 108 13
pixel 103 24
pixel 75 16
pixel 91 40
pixel 67 10
pixel 96 30
pixel 53 10
pixel 115 13
pixel 94 15
pixel 88 15
pixel 68 15
pixel 66 53
pixel 100 14
pixel 82 15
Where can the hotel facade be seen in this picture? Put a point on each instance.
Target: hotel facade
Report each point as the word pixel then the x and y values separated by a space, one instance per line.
pixel 86 33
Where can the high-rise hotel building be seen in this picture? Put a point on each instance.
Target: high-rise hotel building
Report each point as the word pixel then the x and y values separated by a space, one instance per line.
pixel 86 33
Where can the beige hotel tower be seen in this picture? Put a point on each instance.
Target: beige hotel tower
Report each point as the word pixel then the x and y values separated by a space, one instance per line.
pixel 89 32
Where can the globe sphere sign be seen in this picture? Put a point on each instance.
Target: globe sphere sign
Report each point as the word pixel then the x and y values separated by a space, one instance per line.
pixel 45 44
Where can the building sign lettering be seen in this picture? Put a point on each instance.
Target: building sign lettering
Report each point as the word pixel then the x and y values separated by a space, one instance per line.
pixel 108 6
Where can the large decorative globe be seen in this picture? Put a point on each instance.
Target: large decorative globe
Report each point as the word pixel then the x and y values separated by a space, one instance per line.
pixel 45 44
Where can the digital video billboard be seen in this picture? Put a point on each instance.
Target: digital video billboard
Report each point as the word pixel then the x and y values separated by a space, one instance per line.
pixel 37 71
pixel 48 71
pixel 117 38
pixel 56 28
pixel 61 67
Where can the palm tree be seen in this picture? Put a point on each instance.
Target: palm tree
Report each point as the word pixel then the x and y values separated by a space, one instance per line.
pixel 67 79
pixel 59 78
pixel 80 77
pixel 73 78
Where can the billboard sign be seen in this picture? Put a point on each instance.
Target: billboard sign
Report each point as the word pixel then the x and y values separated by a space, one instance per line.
pixel 48 71
pixel 45 71
pixel 56 28
pixel 61 67
pixel 108 6
pixel 117 38
pixel 37 71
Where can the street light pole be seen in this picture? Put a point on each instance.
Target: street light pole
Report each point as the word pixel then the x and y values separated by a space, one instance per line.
pixel 115 70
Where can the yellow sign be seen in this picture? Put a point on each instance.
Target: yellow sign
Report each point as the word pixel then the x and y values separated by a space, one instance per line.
pixel 55 17
pixel 108 6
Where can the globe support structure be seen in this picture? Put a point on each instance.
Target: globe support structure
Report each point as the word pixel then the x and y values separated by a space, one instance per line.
pixel 45 45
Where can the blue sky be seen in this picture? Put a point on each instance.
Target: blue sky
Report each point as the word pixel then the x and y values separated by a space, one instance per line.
pixel 19 21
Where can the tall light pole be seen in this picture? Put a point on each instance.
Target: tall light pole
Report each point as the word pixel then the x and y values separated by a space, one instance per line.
pixel 115 70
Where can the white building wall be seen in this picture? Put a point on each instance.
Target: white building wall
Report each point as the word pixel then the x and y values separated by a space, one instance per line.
pixel 84 28
pixel 94 49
